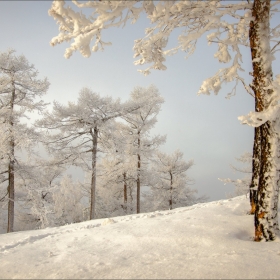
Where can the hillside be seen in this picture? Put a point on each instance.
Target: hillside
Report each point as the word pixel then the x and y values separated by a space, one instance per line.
pixel 209 240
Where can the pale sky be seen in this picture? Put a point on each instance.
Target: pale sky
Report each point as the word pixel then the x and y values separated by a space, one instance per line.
pixel 204 128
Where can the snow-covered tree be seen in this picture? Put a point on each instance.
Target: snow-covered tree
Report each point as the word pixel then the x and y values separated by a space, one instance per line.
pixel 242 186
pixel 139 124
pixel 34 206
pixel 116 190
pixel 39 185
pixel 77 128
pixel 20 92
pixel 68 206
pixel 126 165
pixel 171 187
pixel 117 177
pixel 232 26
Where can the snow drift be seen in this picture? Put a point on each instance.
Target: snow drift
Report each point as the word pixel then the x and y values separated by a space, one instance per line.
pixel 209 240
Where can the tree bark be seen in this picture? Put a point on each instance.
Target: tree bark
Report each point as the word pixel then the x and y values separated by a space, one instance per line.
pixel 124 193
pixel 276 191
pixel 11 169
pixel 138 176
pixel 255 169
pixel 11 188
pixel 257 131
pixel 131 199
pixel 265 214
pixel 94 134
pixel 170 192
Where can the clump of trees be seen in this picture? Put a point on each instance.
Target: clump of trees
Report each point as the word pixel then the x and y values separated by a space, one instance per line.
pixel 231 26
pixel 108 139
pixel 79 127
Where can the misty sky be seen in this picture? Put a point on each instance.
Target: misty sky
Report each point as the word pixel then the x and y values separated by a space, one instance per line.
pixel 204 128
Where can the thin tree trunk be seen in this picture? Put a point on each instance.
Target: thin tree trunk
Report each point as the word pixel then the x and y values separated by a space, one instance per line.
pixel 262 77
pixel 131 199
pixel 124 193
pixel 11 169
pixel 170 192
pixel 11 188
pixel 138 177
pixel 94 135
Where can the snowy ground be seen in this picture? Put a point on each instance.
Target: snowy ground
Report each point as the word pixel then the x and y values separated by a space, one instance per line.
pixel 210 240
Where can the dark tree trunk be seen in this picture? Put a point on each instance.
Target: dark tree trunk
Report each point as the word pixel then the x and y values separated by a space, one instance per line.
pixel 94 134
pixel 124 193
pixel 170 192
pixel 257 131
pixel 131 199
pixel 11 189
pixel 265 214
pixel 255 169
pixel 11 169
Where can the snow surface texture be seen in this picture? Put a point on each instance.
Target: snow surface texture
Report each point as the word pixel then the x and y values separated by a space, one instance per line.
pixel 209 240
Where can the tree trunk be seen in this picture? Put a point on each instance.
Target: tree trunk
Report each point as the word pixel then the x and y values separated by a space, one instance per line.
pixel 170 192
pixel 138 177
pixel 11 188
pixel 124 193
pixel 257 131
pixel 11 169
pixel 255 169
pixel 94 135
pixel 131 199
pixel 265 214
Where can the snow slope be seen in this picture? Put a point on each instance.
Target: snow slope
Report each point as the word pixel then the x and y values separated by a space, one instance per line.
pixel 209 240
